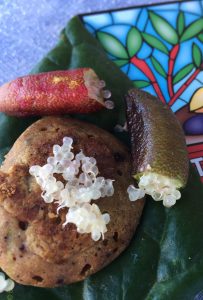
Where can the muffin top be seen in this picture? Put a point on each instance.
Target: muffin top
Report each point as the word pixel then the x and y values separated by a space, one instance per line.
pixel 35 248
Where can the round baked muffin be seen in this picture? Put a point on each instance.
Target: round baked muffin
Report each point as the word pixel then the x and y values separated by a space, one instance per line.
pixel 35 249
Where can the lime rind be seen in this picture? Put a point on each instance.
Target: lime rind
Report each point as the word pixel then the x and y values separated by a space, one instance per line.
pixel 157 138
pixel 159 187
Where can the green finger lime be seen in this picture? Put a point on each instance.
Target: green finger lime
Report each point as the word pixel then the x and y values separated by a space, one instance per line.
pixel 159 153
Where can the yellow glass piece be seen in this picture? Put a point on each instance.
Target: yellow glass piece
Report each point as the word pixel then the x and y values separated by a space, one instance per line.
pixel 196 103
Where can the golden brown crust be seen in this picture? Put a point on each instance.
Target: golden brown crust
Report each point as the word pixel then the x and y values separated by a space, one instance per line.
pixel 34 248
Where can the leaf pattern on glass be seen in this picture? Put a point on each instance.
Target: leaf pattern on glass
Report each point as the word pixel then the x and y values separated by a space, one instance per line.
pixel 141 83
pixel 200 37
pixel 158 36
pixel 112 45
pixel 158 67
pixel 196 55
pixel 192 30
pixel 163 28
pixel 180 23
pixel 154 42
pixel 121 62
pixel 182 73
pixel 134 41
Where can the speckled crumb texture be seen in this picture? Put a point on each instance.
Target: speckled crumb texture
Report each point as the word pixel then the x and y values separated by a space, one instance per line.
pixel 35 248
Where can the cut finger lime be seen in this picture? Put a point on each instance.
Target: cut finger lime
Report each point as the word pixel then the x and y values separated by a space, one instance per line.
pixel 160 160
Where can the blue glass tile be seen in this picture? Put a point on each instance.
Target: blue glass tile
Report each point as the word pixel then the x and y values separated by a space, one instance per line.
pixel 192 7
pixel 99 20
pixel 126 16
pixel 142 19
pixel 180 83
pixel 145 51
pixel 125 68
pixel 165 7
pixel 118 31
pixel 187 94
pixel 184 56
pixel 200 77
pixel 162 58
pixel 177 105
pixel 135 74
pixel 149 89
pixel 189 18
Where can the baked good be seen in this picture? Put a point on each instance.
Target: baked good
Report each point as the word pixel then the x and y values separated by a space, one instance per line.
pixel 35 249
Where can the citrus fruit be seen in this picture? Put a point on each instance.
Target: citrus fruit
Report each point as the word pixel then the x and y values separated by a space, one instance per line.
pixel 159 153
pixel 56 92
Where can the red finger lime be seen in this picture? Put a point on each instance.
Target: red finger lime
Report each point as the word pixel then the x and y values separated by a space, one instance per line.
pixel 57 92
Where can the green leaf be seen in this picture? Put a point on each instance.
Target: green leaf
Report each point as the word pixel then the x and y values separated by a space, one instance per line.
pixel 3 152
pixel 196 55
pixel 180 23
pixel 158 67
pixel 134 41
pixel 192 30
pixel 164 260
pixel 112 45
pixel 163 28
pixel 11 128
pixel 200 37
pixel 154 42
pixel 141 83
pixel 182 73
pixel 121 62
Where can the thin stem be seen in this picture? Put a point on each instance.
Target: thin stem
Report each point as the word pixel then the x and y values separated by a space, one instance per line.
pixel 172 57
pixel 142 66
pixel 184 86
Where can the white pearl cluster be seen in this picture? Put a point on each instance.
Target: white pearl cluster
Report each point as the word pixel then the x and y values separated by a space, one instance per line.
pixel 88 218
pixel 81 187
pixel 159 187
pixel 6 285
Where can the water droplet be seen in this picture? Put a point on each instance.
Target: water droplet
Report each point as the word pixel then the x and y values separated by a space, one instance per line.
pixel 109 104
pixel 118 128
pixel 102 83
pixel 106 94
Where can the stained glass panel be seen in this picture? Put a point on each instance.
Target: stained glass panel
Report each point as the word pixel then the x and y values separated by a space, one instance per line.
pixel 160 48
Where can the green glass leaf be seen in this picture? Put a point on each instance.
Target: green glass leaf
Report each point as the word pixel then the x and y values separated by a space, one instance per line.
pixel 163 28
pixel 112 45
pixel 192 30
pixel 158 67
pixel 182 73
pixel 154 42
pixel 134 41
pixel 164 260
pixel 196 55
pixel 121 62
pixel 200 37
pixel 180 23
pixel 141 83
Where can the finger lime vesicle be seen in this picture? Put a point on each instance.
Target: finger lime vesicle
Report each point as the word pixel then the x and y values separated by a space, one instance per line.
pixel 160 160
